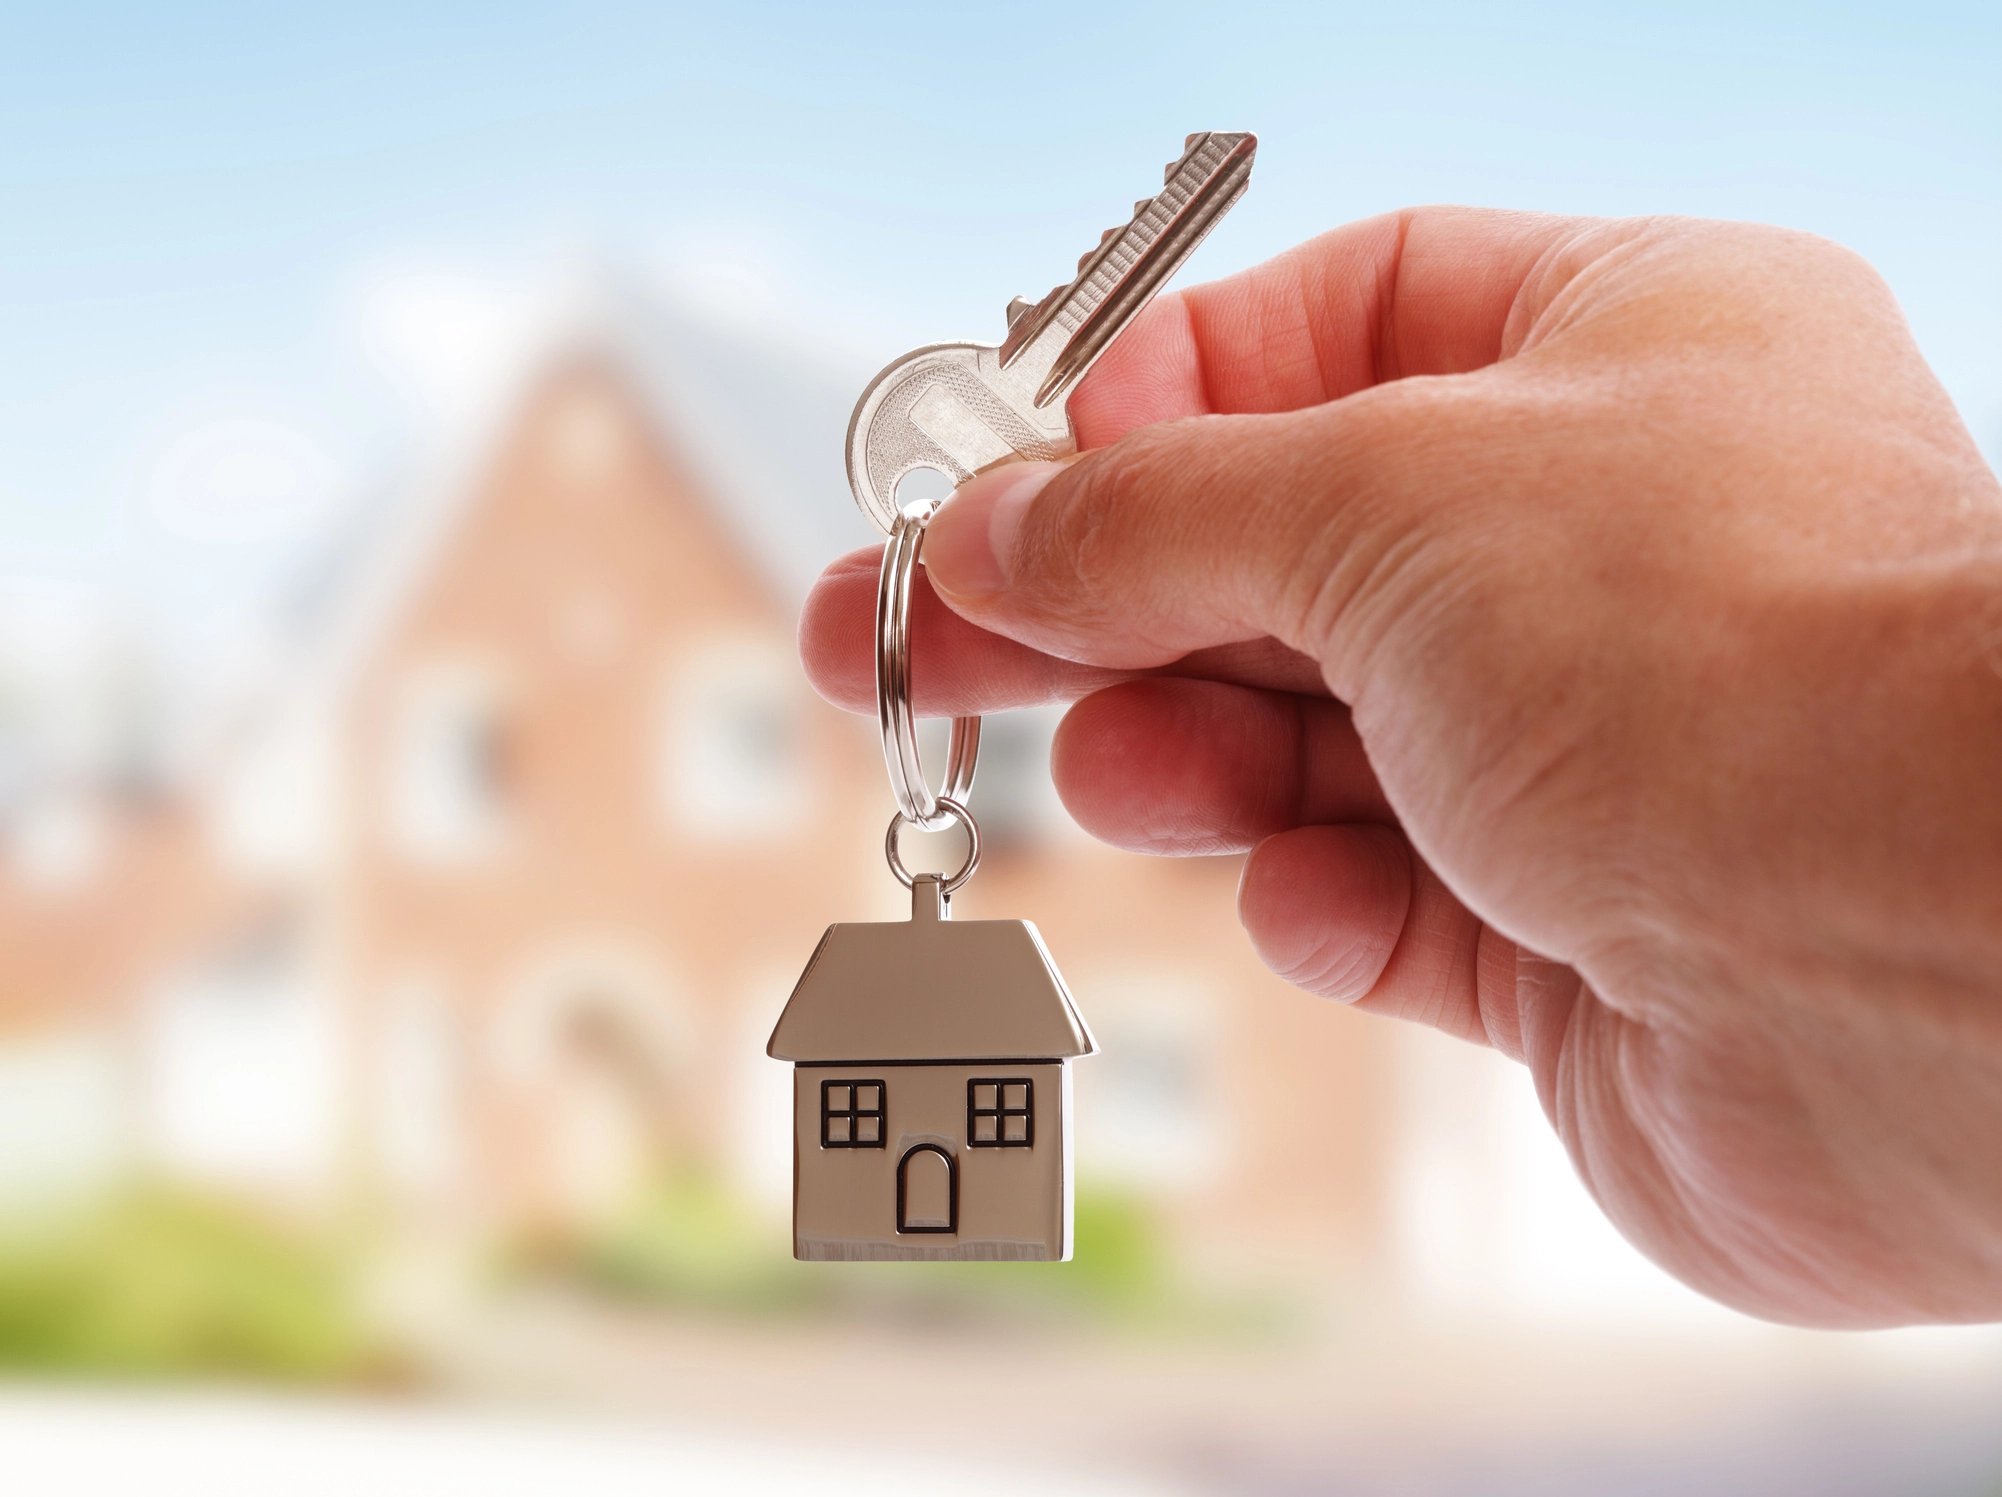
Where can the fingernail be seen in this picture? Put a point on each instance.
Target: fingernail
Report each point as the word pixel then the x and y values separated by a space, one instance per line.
pixel 970 543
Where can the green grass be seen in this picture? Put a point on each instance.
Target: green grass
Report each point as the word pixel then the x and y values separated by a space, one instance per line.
pixel 687 1242
pixel 155 1283
pixel 691 1245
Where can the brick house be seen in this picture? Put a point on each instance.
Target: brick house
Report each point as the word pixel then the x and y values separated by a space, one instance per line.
pixel 487 912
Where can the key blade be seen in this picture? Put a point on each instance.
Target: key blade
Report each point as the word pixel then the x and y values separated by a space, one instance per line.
pixel 1074 324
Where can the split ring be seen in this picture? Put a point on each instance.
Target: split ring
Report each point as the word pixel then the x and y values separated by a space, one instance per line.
pixel 915 801
pixel 950 811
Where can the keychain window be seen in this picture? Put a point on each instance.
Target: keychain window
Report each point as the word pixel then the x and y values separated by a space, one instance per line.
pixel 851 1114
pixel 1001 1112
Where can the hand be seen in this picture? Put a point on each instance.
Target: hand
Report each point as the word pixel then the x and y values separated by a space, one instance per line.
pixel 1590 628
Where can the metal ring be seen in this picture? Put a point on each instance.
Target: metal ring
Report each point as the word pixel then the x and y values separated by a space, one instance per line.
pixel 915 800
pixel 953 811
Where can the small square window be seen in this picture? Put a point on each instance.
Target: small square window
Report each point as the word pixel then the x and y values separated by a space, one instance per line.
pixel 1001 1113
pixel 851 1114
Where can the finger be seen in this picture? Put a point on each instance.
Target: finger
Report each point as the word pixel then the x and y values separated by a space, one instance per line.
pixel 1549 998
pixel 1352 913
pixel 1326 906
pixel 1153 372
pixel 1185 767
pixel 1426 291
pixel 959 668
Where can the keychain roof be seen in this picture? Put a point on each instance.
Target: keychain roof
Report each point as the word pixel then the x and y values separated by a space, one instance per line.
pixel 930 987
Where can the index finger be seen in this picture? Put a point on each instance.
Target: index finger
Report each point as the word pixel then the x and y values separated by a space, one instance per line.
pixel 1420 291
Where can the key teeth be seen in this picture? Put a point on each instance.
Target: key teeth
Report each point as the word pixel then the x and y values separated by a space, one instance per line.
pixel 1229 137
pixel 1103 240
pixel 1086 323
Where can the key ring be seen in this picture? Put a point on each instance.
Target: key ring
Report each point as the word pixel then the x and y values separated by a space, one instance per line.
pixel 916 803
pixel 953 811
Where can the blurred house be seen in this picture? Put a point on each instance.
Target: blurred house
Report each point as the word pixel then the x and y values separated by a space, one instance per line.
pixel 484 912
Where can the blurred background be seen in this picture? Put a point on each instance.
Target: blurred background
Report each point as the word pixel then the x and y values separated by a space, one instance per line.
pixel 419 424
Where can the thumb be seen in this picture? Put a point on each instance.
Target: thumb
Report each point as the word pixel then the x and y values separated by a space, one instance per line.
pixel 1202 532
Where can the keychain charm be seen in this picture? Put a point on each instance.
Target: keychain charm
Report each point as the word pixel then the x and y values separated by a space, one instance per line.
pixel 931 1057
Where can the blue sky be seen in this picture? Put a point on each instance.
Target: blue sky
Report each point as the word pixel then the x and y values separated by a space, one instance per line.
pixel 200 204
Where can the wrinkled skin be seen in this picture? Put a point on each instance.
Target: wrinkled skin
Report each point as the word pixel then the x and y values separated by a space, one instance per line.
pixel 1591 629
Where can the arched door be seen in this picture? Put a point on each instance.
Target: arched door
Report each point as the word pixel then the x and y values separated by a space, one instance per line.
pixel 609 1098
pixel 590 1040
pixel 927 1190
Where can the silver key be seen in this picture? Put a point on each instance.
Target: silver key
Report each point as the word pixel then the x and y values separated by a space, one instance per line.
pixel 963 407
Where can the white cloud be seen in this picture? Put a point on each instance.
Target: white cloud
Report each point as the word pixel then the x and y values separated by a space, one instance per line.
pixel 450 339
pixel 235 478
pixel 737 275
pixel 745 280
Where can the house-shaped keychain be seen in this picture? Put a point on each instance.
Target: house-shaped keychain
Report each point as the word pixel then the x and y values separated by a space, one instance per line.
pixel 931 1090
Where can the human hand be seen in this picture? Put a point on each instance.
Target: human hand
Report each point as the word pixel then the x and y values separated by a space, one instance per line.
pixel 1589 627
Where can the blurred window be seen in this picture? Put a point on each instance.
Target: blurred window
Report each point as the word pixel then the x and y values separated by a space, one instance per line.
pixel 1018 802
pixel 732 757
pixel 1000 1112
pixel 590 438
pixel 243 1060
pixel 851 1114
pixel 61 842
pixel 447 771
pixel 1149 1105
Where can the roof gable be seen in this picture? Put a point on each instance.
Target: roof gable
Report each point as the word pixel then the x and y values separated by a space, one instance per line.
pixel 930 988
pixel 751 432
